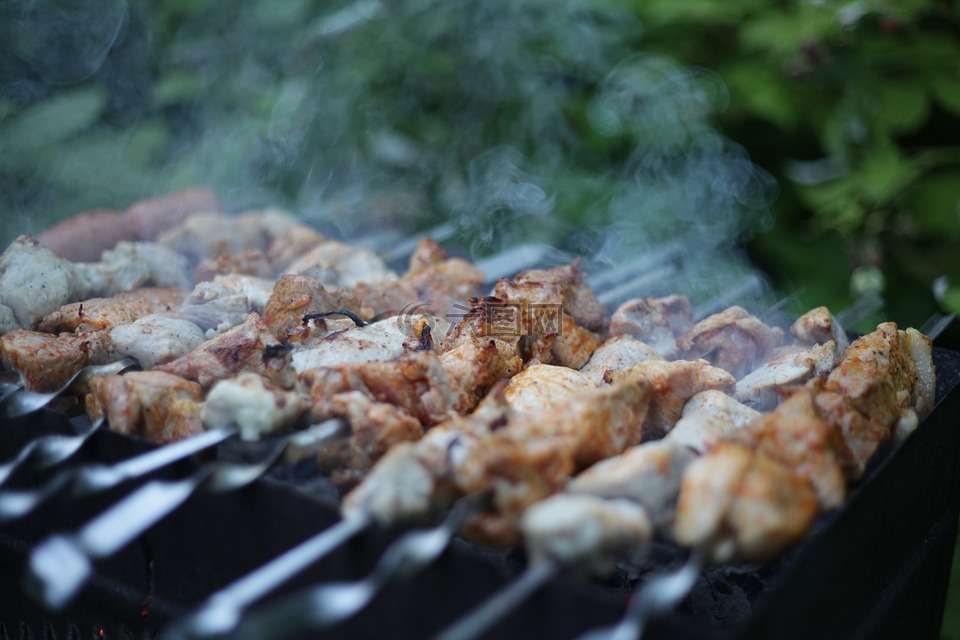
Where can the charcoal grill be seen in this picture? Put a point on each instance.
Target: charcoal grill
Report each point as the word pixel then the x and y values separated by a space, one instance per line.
pixel 878 567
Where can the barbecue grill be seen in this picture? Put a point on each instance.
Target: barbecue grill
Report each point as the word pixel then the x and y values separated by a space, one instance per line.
pixel 878 567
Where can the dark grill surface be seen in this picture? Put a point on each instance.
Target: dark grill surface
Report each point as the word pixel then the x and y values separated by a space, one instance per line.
pixel 877 568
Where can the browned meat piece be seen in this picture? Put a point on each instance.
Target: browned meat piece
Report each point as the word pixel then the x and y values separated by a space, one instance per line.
pixel 339 265
pixel 476 366
pixel 656 321
pixel 818 326
pixel 414 481
pixel 438 280
pixel 541 387
pixel 534 454
pixel 415 382
pixel 482 320
pixel 798 437
pixel 155 215
pixel 562 288
pixel 761 388
pixel 45 361
pixel 388 298
pixel 228 354
pixel 253 262
pixel 151 404
pixel 295 296
pixel 375 428
pixel 883 383
pixel 732 339
pixel 84 237
pixel 35 281
pixel 254 404
pixel 106 313
pixel 573 345
pixel 672 385
pixel 616 353
pixel 737 504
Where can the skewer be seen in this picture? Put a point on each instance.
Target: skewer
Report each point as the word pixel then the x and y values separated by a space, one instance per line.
pixel 60 566
pixel 48 450
pixel 329 604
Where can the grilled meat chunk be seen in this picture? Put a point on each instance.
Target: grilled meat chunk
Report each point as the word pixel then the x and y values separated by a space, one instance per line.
pixel 154 405
pixel 339 265
pixel 438 280
pixel 672 384
pixel 156 339
pixel 296 296
pixel 98 314
pixel 761 387
pixel 732 339
pixel 84 237
pixel 616 353
pixel 648 474
pixel 153 216
pixel 254 404
pixel 818 326
pixel 225 302
pixel 541 387
pixel 739 504
pixel 378 341
pixel 238 350
pixel 375 428
pixel 708 418
pixel 130 265
pixel 561 288
pixel 883 383
pixel 252 263
pixel 45 362
pixel 658 322
pixel 35 281
pixel 476 366
pixel 586 533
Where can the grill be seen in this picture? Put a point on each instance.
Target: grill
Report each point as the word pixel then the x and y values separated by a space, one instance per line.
pixel 878 567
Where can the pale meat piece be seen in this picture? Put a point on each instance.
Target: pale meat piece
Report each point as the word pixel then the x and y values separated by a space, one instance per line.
pixel 562 288
pixel 883 384
pixel 35 281
pixel 375 428
pixel 296 296
pixel 209 234
pixel 339 265
pixel 130 265
pixel 761 388
pixel 151 404
pixel 542 387
pixel 289 243
pixel 253 263
pixel 238 350
pixel 732 339
pixel 672 384
pixel 45 361
pixel 225 302
pixel 708 418
pixel 83 237
pixel 616 353
pixel 658 322
pixel 415 382
pixel 740 505
pixel 254 404
pixel 586 534
pixel 414 481
pixel 648 474
pixel 98 314
pixel 156 339
pixel 479 320
pixel 375 342
pixel 533 455
pixel 813 449
pixel 819 326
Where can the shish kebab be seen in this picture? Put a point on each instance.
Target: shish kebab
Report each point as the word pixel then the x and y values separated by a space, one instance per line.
pixel 749 493
pixel 414 478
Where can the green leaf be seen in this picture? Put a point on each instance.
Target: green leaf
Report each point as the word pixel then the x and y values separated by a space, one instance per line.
pixel 902 106
pixel 51 122
pixel 884 173
pixel 935 204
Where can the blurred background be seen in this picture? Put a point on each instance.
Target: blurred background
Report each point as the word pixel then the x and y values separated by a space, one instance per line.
pixel 809 145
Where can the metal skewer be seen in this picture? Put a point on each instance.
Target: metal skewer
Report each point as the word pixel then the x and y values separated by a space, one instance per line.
pixel 61 565
pixel 48 450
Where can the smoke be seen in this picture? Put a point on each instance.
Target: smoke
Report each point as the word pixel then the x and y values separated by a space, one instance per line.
pixel 532 120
